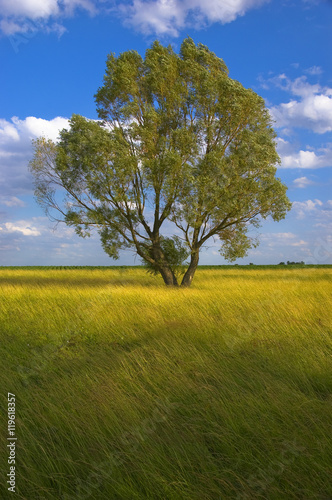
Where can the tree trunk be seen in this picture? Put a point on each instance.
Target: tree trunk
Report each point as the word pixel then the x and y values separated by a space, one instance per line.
pixel 163 267
pixel 188 277
pixel 168 276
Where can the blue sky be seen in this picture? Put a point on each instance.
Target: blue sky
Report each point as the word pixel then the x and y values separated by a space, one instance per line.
pixel 52 62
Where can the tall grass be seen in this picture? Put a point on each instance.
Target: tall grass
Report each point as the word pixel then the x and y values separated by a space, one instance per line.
pixel 128 390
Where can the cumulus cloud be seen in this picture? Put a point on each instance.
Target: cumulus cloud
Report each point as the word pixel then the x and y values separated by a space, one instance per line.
pixel 159 16
pixel 304 208
pixel 26 16
pixel 32 9
pixel 302 182
pixel 148 16
pixel 32 127
pixel 306 159
pixel 311 109
pixel 20 227
pixel 169 16
pixel 16 152
pixel 37 226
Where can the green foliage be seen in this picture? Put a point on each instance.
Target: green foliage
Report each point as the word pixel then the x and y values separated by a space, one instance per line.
pixel 179 141
pixel 175 253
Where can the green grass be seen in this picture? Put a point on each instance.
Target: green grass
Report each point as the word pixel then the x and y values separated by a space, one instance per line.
pixel 128 390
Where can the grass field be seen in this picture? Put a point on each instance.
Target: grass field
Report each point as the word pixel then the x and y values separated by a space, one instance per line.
pixel 127 390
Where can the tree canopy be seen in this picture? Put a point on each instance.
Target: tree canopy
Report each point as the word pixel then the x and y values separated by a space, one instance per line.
pixel 181 153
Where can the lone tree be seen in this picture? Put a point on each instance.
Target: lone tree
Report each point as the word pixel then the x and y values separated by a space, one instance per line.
pixel 179 146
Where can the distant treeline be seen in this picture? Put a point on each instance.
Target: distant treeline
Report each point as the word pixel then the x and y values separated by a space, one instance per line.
pixel 231 266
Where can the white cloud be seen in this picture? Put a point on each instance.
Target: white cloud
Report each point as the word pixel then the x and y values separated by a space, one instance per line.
pixel 8 132
pixel 168 16
pixel 16 150
pixel 299 243
pixel 305 208
pixel 33 241
pixel 305 159
pixel 295 247
pixel 311 110
pixel 148 16
pixel 11 201
pixel 282 240
pixel 33 127
pixel 302 182
pixel 159 16
pixel 71 5
pixel 32 9
pixel 26 17
pixel 287 236
pixel 314 70
pixel 21 31
pixel 29 16
pixel 21 227
pixel 278 238
pixel 225 12
pixel 9 27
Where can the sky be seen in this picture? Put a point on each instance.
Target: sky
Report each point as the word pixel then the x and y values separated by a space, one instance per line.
pixel 52 62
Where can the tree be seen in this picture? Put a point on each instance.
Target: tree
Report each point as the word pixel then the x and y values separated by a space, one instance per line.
pixel 179 146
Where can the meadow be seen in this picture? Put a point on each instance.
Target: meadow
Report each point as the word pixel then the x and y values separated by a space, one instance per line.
pixel 128 390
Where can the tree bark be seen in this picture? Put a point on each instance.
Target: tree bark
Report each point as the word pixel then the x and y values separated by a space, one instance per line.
pixel 163 267
pixel 168 276
pixel 188 277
